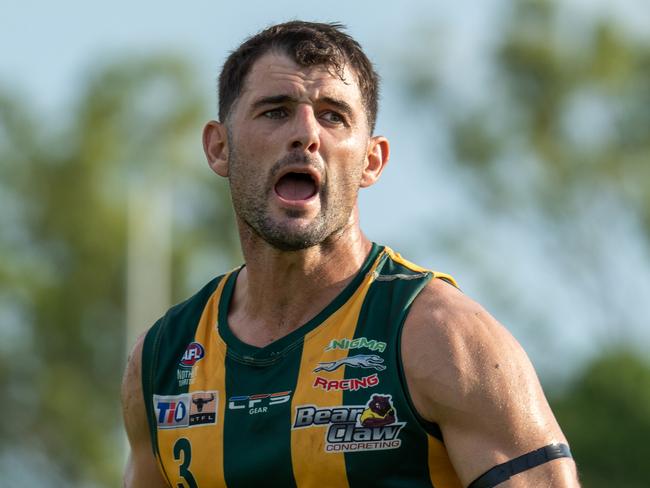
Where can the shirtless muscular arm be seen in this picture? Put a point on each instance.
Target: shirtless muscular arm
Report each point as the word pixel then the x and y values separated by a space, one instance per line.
pixel 466 373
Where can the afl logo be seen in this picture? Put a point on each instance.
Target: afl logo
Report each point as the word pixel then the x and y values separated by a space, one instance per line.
pixel 192 354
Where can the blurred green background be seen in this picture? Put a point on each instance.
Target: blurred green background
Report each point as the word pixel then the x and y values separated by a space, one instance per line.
pixel 521 165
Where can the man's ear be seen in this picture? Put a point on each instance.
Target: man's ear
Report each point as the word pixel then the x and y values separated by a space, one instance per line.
pixel 215 146
pixel 376 160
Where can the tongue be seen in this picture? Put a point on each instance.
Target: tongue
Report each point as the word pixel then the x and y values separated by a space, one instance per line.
pixel 295 187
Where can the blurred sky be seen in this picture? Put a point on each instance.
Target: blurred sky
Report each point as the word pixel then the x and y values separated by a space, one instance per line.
pixel 47 45
pixel 48 48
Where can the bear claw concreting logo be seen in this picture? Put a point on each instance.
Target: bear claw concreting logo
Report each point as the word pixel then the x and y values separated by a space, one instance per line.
pixel 368 427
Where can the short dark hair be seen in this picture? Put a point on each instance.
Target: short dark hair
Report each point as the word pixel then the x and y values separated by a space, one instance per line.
pixel 309 44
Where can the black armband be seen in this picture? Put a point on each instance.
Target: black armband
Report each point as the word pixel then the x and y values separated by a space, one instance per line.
pixel 503 472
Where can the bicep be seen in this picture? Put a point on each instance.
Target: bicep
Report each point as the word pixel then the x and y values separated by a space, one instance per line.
pixel 506 416
pixel 470 376
pixel 142 468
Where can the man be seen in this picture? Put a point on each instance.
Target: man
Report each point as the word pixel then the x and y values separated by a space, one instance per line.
pixel 326 360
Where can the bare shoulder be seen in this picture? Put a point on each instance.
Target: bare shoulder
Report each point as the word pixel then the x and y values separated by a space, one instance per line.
pixel 142 467
pixel 469 375
pixel 457 347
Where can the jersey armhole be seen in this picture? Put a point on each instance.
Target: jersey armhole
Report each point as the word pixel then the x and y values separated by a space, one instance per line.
pixel 149 358
pixel 150 353
pixel 431 428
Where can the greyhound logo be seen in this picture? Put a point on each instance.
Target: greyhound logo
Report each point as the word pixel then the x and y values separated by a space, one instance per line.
pixel 200 402
pixel 365 361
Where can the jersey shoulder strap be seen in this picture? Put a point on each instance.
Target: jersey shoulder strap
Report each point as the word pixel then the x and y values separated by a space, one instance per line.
pixel 418 270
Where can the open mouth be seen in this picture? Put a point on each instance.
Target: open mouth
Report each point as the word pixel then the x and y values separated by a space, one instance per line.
pixel 296 186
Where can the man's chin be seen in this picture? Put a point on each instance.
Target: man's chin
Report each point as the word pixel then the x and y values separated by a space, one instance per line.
pixel 288 242
pixel 293 234
pixel 293 237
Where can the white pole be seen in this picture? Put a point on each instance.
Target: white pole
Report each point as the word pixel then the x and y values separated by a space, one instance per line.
pixel 148 273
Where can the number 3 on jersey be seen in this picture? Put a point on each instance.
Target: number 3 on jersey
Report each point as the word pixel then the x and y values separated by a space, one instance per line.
pixel 183 446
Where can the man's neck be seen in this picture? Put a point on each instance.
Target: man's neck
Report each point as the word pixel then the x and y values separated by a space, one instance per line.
pixel 277 291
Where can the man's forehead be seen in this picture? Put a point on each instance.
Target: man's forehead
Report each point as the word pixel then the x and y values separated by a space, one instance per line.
pixel 275 71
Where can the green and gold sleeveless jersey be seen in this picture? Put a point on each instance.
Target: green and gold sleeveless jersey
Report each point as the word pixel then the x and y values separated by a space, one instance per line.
pixel 325 406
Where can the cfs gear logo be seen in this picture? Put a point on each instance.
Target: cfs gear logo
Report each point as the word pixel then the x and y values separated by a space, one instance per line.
pixel 193 353
pixel 370 427
pixel 186 410
pixel 358 343
pixel 352 384
pixel 366 361
pixel 259 403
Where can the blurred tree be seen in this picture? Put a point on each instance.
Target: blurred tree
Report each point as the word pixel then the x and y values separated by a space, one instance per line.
pixel 554 159
pixel 63 209
pixel 574 95
pixel 554 153
pixel 606 415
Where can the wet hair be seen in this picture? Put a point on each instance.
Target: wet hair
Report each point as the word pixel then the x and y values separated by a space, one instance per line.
pixel 308 44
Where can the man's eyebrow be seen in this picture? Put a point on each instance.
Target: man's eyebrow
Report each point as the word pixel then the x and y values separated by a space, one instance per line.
pixel 339 104
pixel 281 99
pixel 273 100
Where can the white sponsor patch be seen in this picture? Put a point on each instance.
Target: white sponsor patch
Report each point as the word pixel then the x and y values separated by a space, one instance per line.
pixel 186 410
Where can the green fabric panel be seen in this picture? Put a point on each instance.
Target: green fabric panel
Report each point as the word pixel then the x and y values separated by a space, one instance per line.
pixel 257 433
pixel 381 318
pixel 164 346
pixel 257 444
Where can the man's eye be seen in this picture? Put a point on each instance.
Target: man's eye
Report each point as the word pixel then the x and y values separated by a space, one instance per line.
pixel 276 113
pixel 333 117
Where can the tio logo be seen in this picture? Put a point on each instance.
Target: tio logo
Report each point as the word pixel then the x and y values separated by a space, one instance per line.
pixel 192 354
pixel 171 413
pixel 258 403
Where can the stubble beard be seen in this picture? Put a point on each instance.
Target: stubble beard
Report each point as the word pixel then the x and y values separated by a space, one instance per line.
pixel 250 198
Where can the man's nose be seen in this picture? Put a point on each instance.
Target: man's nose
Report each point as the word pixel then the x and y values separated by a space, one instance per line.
pixel 305 130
